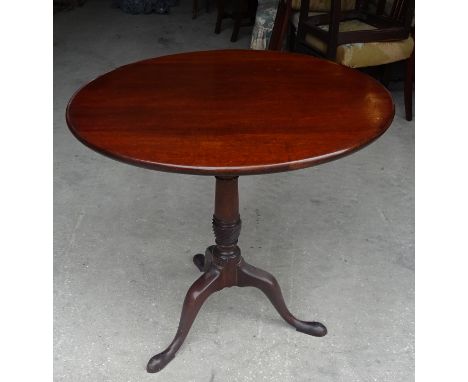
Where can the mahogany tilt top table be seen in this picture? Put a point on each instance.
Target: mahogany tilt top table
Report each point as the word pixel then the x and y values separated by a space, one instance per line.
pixel 229 113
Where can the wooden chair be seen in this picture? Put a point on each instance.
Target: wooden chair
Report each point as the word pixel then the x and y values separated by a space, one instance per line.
pixel 243 9
pixel 354 33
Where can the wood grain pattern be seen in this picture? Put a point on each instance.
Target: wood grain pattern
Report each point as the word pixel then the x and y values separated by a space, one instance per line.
pixel 229 113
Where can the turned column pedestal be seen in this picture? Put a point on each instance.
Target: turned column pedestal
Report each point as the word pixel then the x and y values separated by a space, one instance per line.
pixel 223 267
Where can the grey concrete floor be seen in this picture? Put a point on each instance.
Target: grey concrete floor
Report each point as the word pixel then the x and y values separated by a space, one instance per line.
pixel 339 238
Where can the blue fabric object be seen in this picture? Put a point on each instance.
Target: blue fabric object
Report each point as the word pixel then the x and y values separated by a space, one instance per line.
pixel 161 6
pixel 145 6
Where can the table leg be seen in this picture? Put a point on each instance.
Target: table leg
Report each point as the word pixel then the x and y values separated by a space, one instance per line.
pixel 250 276
pixel 208 283
pixel 223 266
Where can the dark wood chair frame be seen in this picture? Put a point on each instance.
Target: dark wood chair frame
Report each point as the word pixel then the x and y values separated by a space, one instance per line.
pixel 238 14
pixel 393 27
pixel 396 26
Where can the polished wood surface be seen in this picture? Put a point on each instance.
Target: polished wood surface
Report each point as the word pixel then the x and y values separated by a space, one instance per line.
pixel 231 112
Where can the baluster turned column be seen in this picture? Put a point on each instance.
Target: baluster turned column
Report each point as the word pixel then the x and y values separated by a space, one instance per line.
pixel 226 228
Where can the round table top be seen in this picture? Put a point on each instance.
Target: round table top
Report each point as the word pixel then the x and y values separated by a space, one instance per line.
pixel 230 112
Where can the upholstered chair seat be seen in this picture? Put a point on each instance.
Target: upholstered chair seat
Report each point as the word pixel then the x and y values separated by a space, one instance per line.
pixel 358 55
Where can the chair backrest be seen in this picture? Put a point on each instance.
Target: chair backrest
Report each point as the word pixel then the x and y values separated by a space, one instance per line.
pixel 397 10
pixel 324 5
pixel 392 22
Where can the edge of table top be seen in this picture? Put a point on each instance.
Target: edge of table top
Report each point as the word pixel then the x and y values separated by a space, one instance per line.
pixel 234 170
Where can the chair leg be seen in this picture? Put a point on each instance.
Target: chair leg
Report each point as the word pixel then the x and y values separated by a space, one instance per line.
pixel 219 19
pixel 409 77
pixel 195 9
pixel 252 10
pixel 237 19
pixel 291 38
pixel 298 47
pixel 386 75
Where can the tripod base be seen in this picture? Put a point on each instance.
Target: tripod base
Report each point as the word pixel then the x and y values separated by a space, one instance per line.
pixel 223 267
pixel 219 273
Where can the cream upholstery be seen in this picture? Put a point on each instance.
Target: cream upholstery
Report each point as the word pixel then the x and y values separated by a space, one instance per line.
pixel 359 55
pixel 324 5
